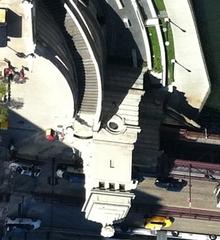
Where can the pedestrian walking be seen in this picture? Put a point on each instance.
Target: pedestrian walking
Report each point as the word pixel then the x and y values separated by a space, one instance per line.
pixel 11 74
pixel 6 72
pixel 22 74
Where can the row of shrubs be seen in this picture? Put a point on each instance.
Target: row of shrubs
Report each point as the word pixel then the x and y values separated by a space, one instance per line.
pixel 3 107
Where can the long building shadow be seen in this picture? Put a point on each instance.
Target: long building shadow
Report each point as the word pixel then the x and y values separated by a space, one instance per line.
pixel 144 205
pixel 14 28
pixel 32 147
pixel 156 107
pixel 52 45
pixel 120 72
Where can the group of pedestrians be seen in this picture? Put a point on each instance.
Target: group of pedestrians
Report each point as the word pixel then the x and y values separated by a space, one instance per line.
pixel 11 73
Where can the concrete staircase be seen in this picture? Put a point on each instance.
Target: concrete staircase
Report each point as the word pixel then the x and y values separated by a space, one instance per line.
pixel 147 147
pixel 86 74
pixel 124 96
pixel 124 88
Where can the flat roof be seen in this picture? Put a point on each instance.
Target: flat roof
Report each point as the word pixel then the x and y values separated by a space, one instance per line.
pixel 2 15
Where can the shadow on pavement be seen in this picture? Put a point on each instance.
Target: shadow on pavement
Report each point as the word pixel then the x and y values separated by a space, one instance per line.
pixel 14 28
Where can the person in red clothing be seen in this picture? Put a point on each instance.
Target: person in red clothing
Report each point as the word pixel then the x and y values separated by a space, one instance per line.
pixel 6 72
pixel 21 74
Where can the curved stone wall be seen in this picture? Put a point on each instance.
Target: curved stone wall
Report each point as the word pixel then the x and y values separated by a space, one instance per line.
pixel 51 44
pixel 89 59
pixel 97 36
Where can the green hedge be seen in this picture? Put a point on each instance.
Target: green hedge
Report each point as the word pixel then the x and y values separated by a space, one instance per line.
pixel 3 114
pixel 155 48
pixel 2 90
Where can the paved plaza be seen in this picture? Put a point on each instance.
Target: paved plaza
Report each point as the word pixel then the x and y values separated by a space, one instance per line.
pixel 43 95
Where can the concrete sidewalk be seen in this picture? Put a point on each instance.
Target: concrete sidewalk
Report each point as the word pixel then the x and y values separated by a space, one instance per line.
pixel 190 72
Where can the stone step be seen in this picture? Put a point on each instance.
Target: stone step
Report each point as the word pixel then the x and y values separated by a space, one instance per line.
pixel 90 85
pixel 153 112
pixel 89 95
pixel 150 128
pixel 130 118
pixel 125 101
pixel 113 68
pixel 125 107
pixel 149 135
pixel 78 39
pixel 131 122
pixel 82 50
pixel 89 75
pixel 85 66
pixel 84 53
pixel 90 110
pixel 77 35
pixel 122 85
pixel 144 160
pixel 146 146
pixel 124 112
pixel 87 110
pixel 123 81
pixel 129 108
pixel 111 77
pixel 71 27
pixel 131 101
pixel 78 59
pixel 89 98
pixel 88 106
pixel 132 94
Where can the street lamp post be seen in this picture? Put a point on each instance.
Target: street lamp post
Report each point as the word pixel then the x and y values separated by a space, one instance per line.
pixel 174 61
pixel 170 21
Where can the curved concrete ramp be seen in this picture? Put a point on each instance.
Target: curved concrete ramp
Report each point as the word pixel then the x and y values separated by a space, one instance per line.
pixel 190 72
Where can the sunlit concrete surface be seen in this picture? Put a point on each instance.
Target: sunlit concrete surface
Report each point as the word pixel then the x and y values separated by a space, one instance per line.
pixel 43 97
pixel 46 96
pixel 190 71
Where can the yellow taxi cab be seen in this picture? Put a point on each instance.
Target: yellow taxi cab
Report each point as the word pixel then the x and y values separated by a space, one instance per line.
pixel 158 222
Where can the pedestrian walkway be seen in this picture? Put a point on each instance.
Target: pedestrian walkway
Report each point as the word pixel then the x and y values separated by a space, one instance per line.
pixel 190 72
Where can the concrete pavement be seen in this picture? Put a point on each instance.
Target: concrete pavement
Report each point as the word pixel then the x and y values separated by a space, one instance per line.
pixel 44 95
pixel 202 198
pixel 190 72
pixel 202 194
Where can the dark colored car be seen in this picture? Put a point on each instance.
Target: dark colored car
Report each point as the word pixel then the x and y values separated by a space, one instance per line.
pixel 22 169
pixel 21 224
pixel 170 184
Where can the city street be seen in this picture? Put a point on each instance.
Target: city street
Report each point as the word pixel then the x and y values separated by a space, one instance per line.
pixel 59 206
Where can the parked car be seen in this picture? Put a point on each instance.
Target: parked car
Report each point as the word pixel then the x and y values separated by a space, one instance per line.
pixel 170 184
pixel 25 224
pixel 158 222
pixel 28 170
pixel 69 173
